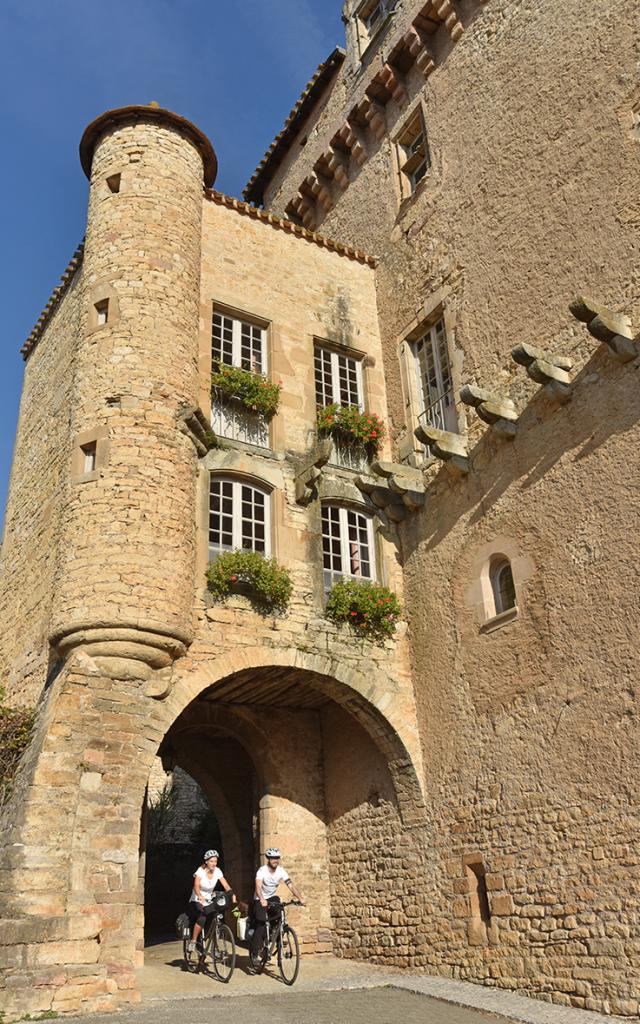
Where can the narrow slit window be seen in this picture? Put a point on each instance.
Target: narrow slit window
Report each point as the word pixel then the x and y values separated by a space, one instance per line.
pixel 479 897
pixel 102 312
pixel 113 183
pixel 89 454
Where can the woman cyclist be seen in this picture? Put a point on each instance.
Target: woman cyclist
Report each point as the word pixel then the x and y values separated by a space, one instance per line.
pixel 201 905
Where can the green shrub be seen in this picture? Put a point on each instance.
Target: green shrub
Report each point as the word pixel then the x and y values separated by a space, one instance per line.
pixel 16 727
pixel 372 611
pixel 256 392
pixel 268 584
pixel 350 426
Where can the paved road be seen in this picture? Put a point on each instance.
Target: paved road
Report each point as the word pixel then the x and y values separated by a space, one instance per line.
pixel 369 1006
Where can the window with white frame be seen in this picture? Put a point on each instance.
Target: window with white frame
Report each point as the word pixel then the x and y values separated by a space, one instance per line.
pixel 237 342
pixel 413 153
pixel 239 517
pixel 435 382
pixel 338 378
pixel 240 343
pixel 347 544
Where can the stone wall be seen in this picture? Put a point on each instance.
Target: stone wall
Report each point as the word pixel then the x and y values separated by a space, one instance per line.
pixel 529 731
pixel 30 548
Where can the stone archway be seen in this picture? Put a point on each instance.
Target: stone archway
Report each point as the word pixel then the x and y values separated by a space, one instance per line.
pixel 335 788
pixel 78 805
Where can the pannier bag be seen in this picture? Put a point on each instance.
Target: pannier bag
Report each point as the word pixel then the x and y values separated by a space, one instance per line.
pixel 183 927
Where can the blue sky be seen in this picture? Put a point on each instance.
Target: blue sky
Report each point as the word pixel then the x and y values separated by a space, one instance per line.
pixel 234 69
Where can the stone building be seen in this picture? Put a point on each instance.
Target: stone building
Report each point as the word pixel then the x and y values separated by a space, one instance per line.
pixel 460 798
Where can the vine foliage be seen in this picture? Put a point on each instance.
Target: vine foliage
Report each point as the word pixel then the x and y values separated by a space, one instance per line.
pixel 16 728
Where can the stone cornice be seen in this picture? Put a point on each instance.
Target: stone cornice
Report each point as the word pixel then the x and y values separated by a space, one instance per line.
pixel 347 139
pixel 286 225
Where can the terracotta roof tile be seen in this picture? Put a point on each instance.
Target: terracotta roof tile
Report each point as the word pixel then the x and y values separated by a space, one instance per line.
pixel 287 225
pixel 54 301
pixel 254 190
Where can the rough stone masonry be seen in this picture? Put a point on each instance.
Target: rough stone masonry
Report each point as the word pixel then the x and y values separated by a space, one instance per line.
pixel 461 799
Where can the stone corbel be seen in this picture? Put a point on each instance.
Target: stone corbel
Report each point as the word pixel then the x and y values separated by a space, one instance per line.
pixel 353 144
pixel 403 481
pixel 305 209
pixel 450 448
pixel 419 52
pixel 385 501
pixel 500 413
pixel 313 187
pixel 546 369
pixel 446 13
pixel 375 117
pixel 338 167
pixel 613 329
pixel 193 422
pixel 309 474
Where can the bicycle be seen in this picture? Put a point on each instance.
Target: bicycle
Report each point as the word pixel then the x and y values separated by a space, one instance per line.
pixel 216 948
pixel 280 936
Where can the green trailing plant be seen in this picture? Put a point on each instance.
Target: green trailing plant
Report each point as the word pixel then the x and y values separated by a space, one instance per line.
pixel 256 392
pixel 267 583
pixel 160 815
pixel 16 727
pixel 348 425
pixel 371 610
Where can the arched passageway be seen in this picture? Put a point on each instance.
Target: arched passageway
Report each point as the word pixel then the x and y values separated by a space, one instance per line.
pixel 295 759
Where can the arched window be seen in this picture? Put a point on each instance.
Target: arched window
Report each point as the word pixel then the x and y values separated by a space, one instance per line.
pixel 239 517
pixel 347 544
pixel 502 585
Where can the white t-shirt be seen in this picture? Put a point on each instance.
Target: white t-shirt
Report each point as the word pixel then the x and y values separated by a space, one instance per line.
pixel 207 885
pixel 271 879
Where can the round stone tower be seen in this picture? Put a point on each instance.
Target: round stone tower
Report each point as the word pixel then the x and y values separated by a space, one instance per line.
pixel 126 579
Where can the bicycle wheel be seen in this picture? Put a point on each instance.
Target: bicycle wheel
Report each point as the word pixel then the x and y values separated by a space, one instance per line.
pixel 191 959
pixel 223 952
pixel 289 955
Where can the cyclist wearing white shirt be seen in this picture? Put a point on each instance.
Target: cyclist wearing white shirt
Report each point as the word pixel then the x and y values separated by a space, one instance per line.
pixel 201 904
pixel 268 878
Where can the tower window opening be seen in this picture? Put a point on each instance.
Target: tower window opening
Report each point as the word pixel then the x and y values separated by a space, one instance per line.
pixel 113 182
pixel 102 312
pixel 478 895
pixel 502 586
pixel 89 454
pixel 347 545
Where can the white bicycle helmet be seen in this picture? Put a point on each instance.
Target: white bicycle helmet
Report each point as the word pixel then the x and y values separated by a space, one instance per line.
pixel 210 853
pixel 274 852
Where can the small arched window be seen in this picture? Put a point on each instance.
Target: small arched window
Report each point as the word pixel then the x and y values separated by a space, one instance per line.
pixel 502 585
pixel 239 517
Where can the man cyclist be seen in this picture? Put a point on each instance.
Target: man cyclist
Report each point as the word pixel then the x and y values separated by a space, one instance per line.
pixel 268 878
